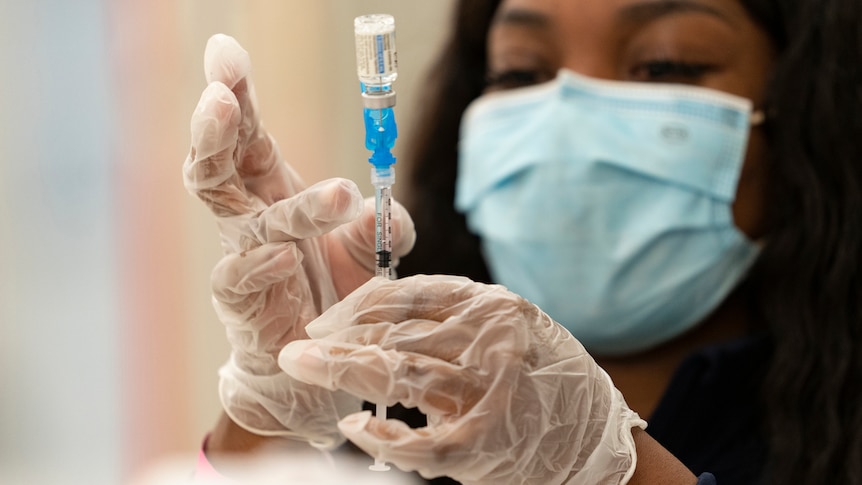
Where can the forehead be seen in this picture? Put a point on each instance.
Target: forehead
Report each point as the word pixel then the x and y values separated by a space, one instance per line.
pixel 567 13
pixel 612 38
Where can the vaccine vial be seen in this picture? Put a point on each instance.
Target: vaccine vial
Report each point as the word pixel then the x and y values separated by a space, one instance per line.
pixel 376 57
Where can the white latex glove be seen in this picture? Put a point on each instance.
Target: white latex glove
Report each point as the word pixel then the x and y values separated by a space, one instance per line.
pixel 290 253
pixel 511 396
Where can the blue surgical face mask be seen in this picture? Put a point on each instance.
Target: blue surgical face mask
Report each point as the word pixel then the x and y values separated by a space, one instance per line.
pixel 608 204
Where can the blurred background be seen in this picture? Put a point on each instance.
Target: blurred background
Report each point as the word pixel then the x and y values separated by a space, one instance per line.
pixel 109 347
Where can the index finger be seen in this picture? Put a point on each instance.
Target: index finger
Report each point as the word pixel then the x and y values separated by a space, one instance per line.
pixel 387 376
pixel 209 171
pixel 258 161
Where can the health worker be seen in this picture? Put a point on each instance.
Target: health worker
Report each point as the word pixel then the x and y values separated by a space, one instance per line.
pixel 635 254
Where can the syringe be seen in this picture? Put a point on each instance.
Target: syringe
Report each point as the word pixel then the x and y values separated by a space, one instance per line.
pixel 377 66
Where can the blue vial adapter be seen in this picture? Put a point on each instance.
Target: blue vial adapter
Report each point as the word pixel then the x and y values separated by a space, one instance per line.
pixel 380 134
pixel 381 131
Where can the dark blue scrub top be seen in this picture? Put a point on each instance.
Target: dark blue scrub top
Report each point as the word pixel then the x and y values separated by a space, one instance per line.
pixel 710 416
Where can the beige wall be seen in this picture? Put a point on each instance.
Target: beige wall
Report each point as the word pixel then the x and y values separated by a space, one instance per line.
pixel 304 69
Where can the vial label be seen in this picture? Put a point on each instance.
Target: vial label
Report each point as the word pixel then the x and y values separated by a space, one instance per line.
pixel 376 58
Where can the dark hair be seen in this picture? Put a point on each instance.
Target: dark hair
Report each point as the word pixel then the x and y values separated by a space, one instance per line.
pixel 808 276
pixel 807 280
pixel 443 244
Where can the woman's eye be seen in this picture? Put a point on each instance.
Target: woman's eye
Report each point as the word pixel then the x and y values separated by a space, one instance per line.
pixel 666 71
pixel 511 79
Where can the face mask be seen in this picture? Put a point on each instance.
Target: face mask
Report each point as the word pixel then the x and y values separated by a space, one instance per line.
pixel 608 204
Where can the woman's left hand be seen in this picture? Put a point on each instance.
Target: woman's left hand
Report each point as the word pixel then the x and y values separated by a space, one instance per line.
pixel 511 396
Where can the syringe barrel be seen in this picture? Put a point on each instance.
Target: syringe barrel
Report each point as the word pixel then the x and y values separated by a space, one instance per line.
pixel 376 57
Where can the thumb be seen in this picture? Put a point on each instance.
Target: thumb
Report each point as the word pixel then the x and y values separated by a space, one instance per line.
pixel 403 230
pixel 374 436
pixel 358 237
pixel 393 441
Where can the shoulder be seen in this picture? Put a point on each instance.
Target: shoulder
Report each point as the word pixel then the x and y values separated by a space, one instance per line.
pixel 711 415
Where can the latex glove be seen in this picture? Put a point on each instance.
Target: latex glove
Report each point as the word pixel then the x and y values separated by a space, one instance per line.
pixel 290 252
pixel 511 396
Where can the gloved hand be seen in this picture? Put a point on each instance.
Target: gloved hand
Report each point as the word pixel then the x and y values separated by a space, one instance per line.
pixel 290 252
pixel 511 396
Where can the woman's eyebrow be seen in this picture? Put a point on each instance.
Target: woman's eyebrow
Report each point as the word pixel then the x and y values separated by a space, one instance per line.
pixel 646 12
pixel 523 18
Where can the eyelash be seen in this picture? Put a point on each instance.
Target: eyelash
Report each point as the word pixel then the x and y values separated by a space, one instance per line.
pixel 669 71
pixel 658 70
pixel 514 78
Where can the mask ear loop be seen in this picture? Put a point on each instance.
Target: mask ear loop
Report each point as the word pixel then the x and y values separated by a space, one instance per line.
pixel 757 118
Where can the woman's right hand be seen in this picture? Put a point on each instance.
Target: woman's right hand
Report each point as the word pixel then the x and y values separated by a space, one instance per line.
pixel 290 253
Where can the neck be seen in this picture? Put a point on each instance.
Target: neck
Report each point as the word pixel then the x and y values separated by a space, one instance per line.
pixel 643 378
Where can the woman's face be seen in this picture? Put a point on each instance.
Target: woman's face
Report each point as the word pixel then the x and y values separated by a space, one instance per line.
pixel 709 43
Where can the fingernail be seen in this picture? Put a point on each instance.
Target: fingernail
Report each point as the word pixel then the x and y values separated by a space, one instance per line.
pixel 302 359
pixel 354 423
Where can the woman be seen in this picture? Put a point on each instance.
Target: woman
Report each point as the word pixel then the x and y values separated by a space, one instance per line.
pixel 799 194
pixel 783 342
